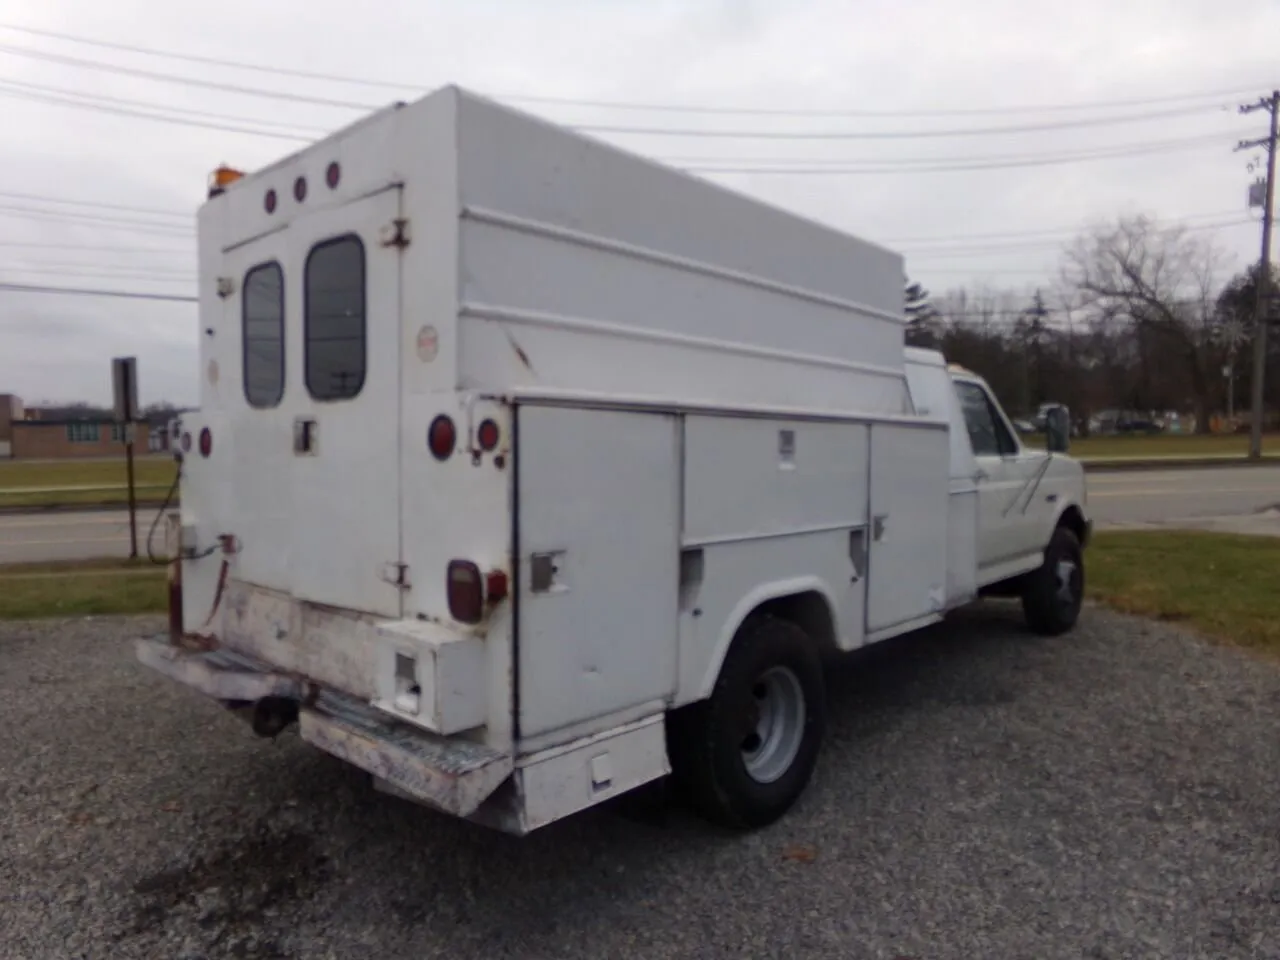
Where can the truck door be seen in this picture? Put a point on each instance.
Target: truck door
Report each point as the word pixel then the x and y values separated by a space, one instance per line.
pixel 344 459
pixel 999 480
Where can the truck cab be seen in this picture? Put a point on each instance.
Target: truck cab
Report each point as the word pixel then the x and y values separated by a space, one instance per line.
pixel 1015 499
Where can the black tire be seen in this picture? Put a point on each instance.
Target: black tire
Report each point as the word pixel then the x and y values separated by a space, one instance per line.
pixel 1050 603
pixel 706 740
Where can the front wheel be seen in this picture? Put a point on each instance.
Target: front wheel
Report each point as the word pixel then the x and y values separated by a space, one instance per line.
pixel 744 755
pixel 1054 593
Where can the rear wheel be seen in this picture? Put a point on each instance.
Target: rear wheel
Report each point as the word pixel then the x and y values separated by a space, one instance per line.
pixel 745 755
pixel 1053 594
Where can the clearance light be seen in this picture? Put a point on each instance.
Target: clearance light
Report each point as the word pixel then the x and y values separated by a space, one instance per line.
pixel 332 175
pixel 206 442
pixel 222 178
pixel 300 189
pixel 269 201
pixel 487 435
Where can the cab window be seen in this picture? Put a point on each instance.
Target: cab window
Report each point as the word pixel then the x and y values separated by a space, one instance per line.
pixel 987 433
pixel 334 329
pixel 262 330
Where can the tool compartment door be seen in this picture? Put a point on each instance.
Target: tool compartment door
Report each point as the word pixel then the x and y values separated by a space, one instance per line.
pixel 344 476
pixel 598 513
pixel 907 567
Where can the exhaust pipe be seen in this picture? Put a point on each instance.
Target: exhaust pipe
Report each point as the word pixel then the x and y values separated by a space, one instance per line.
pixel 273 715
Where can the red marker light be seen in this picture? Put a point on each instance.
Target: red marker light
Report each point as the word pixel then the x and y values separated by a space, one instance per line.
pixel 332 175
pixel 206 442
pixel 487 435
pixel 269 201
pixel 300 189
pixel 442 437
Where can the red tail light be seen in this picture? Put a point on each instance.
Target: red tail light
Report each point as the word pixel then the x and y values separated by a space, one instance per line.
pixel 470 590
pixel 442 437
pixel 466 592
pixel 206 442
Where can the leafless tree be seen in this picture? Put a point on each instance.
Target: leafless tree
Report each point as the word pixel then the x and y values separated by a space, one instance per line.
pixel 1161 284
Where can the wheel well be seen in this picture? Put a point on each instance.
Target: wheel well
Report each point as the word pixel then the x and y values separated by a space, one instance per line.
pixel 809 611
pixel 1073 519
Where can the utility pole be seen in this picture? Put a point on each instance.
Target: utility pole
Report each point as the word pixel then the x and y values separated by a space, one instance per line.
pixel 1272 105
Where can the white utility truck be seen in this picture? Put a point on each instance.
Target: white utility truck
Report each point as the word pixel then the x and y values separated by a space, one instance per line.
pixel 527 470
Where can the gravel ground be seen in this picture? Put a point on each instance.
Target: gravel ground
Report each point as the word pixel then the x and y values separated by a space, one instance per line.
pixel 984 794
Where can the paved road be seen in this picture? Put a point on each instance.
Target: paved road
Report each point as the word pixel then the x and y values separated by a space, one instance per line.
pixel 1175 495
pixel 37 538
pixel 1114 498
pixel 984 794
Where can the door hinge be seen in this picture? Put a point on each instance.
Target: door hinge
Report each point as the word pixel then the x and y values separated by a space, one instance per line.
pixel 395 234
pixel 396 574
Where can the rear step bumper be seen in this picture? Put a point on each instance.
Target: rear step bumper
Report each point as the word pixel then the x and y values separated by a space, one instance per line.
pixel 455 776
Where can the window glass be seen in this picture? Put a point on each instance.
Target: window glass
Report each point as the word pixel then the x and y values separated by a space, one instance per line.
pixel 80 432
pixel 263 332
pixel 334 327
pixel 980 420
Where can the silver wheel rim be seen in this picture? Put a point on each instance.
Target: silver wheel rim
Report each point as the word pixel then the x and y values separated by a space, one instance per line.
pixel 1065 572
pixel 773 739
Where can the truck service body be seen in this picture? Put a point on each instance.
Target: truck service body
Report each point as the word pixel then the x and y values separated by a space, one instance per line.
pixel 527 471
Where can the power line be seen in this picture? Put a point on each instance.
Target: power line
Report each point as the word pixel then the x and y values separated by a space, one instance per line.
pixel 96 248
pixel 1031 160
pixel 187 81
pixel 996 157
pixel 86 292
pixel 618 104
pixel 139 226
pixel 41 198
pixel 998 249
pixel 900 165
pixel 104 105
pixel 106 269
pixel 87 275
pixel 614 129
pixel 927 134
pixel 1040 232
pixel 269 122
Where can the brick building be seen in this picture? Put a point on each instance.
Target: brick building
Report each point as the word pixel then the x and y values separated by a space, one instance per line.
pixel 33 434
pixel 10 412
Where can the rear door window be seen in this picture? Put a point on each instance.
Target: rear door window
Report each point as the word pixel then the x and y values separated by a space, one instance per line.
pixel 263 333
pixel 334 325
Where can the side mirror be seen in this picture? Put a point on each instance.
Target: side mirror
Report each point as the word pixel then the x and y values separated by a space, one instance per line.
pixel 1057 428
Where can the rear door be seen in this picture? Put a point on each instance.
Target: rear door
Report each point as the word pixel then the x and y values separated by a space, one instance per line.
pixel 345 465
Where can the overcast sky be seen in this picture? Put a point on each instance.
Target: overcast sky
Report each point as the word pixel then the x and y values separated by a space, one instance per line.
pixel 923 64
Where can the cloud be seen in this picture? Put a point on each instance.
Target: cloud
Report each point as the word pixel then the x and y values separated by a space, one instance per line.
pixel 804 55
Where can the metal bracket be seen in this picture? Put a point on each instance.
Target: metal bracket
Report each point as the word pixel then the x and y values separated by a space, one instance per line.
pixel 396 574
pixel 877 526
pixel 395 234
